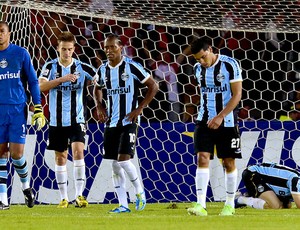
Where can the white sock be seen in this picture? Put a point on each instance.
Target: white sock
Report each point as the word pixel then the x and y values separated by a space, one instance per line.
pixel 79 176
pixel 131 171
pixel 3 198
pixel 202 178
pixel 119 182
pixel 230 186
pixel 61 176
pixel 252 202
pixel 3 184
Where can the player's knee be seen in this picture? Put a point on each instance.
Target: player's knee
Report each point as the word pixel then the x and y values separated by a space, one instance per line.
pixel 203 160
pixel 229 165
pixel 274 205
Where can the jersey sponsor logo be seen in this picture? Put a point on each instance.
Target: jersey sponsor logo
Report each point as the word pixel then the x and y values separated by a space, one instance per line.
pixel 120 90
pixel 3 63
pixel 216 89
pixel 238 151
pixel 68 87
pixel 9 75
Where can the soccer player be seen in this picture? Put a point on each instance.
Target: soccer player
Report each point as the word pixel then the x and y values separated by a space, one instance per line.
pixel 220 81
pixel 270 186
pixel 122 77
pixel 16 73
pixel 66 79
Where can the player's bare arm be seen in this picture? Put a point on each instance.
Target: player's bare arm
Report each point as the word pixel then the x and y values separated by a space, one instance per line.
pixel 47 85
pixel 296 198
pixel 236 89
pixel 152 90
pixel 101 111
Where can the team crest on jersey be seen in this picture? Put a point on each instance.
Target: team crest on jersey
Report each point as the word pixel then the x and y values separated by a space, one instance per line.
pixel 260 188
pixel 124 76
pixel 45 72
pixel 3 63
pixel 77 74
pixel 220 77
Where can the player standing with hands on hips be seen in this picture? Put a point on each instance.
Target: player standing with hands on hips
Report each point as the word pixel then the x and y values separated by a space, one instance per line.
pixel 220 81
pixel 122 77
pixel 66 79
pixel 16 74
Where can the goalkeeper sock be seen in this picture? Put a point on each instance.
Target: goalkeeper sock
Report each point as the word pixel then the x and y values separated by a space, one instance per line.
pixel 119 181
pixel 21 168
pixel 230 186
pixel 79 176
pixel 201 179
pixel 61 176
pixel 3 181
pixel 131 171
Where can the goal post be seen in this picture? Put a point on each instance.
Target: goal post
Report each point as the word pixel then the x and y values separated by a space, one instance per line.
pixel 262 35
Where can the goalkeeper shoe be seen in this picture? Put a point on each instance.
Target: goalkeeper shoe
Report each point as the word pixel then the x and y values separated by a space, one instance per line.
pixel 63 204
pixel 237 204
pixel 227 211
pixel 3 206
pixel 197 210
pixel 120 209
pixel 29 197
pixel 140 202
pixel 81 202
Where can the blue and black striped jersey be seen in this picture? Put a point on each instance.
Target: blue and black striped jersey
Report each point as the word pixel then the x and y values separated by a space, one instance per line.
pixel 283 180
pixel 67 101
pixel 16 71
pixel 122 84
pixel 215 90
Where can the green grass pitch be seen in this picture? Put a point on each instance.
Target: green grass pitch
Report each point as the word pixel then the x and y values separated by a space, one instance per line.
pixel 155 216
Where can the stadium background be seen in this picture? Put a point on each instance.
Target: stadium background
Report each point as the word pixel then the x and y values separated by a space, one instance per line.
pixel 165 151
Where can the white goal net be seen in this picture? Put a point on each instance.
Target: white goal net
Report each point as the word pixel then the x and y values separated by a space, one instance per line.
pixel 262 35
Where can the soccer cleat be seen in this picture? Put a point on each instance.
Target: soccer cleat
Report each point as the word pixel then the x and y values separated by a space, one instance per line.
pixel 227 211
pixel 3 206
pixel 29 197
pixel 236 201
pixel 81 202
pixel 197 210
pixel 120 209
pixel 140 202
pixel 63 204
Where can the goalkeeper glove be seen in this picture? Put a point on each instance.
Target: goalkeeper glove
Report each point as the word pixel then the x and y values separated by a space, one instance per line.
pixel 38 118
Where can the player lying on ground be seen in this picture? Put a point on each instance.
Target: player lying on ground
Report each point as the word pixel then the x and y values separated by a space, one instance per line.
pixel 270 186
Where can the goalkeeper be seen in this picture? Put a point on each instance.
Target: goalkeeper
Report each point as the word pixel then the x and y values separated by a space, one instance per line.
pixel 16 72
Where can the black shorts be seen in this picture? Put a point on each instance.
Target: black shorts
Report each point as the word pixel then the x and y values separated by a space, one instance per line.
pixel 254 183
pixel 226 139
pixel 60 138
pixel 119 140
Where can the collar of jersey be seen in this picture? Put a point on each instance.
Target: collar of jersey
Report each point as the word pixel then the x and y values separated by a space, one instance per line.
pixel 113 67
pixel 66 66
